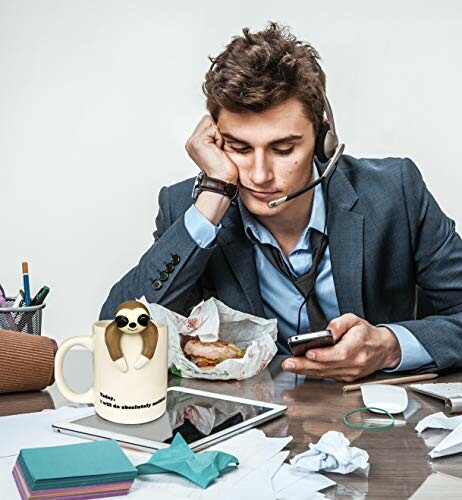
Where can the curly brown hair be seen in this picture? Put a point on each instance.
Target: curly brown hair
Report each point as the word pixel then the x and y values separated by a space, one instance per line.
pixel 259 70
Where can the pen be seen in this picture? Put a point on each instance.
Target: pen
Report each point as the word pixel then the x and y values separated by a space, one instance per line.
pixel 392 381
pixel 25 275
pixel 18 303
pixel 36 301
pixel 40 297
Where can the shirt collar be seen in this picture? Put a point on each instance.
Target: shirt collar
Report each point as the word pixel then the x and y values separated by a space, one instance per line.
pixel 255 230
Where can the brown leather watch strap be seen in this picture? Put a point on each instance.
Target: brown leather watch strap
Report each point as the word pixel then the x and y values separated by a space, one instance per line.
pixel 218 186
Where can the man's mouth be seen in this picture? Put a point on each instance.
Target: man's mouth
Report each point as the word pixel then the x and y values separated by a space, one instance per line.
pixel 262 195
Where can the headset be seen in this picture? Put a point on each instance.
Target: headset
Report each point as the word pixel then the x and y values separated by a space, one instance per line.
pixel 327 148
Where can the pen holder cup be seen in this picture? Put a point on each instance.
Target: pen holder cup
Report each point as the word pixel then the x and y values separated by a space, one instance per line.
pixel 21 319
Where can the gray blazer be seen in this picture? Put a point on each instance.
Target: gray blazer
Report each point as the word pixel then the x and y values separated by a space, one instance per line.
pixel 387 235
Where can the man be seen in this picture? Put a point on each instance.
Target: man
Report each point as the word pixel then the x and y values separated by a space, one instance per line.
pixel 371 236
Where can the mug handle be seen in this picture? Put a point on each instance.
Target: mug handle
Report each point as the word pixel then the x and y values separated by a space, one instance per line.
pixel 83 397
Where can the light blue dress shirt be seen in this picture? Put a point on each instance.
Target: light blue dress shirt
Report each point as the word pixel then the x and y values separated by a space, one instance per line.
pixel 281 300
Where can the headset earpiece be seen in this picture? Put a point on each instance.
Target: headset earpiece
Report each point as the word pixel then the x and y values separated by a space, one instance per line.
pixel 319 150
pixel 326 140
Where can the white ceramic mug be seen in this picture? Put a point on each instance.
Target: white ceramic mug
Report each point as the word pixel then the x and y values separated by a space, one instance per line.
pixel 135 396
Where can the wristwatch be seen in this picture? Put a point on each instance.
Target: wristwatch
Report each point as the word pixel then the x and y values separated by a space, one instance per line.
pixel 206 183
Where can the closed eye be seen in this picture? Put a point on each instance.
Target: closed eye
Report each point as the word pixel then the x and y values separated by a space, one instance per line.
pixel 240 150
pixel 284 151
pixel 278 151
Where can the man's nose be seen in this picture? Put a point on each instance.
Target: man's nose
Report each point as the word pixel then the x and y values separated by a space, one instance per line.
pixel 261 172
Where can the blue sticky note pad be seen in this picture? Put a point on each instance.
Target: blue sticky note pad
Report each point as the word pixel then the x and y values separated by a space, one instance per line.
pixel 80 464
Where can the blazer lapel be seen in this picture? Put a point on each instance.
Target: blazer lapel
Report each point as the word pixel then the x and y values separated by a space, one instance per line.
pixel 239 253
pixel 346 242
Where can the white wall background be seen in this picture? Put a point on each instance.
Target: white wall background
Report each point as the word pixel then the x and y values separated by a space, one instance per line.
pixel 97 99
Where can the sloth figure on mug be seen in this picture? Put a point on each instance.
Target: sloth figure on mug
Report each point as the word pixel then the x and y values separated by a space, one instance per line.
pixel 131 318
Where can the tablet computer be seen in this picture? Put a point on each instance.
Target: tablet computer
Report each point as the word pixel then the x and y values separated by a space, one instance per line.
pixel 202 418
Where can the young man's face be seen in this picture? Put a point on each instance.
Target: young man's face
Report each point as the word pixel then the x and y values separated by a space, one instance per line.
pixel 273 152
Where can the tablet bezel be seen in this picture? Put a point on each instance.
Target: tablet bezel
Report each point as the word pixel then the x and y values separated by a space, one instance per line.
pixel 136 443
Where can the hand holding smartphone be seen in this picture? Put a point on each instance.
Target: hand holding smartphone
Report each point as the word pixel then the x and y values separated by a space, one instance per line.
pixel 303 342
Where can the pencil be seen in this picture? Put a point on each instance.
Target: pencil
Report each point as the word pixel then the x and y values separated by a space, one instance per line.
pixel 25 275
pixel 392 381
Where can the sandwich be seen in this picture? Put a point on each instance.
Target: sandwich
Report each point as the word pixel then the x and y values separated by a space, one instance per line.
pixel 206 355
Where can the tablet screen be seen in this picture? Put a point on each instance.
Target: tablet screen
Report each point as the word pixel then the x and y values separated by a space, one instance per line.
pixel 194 416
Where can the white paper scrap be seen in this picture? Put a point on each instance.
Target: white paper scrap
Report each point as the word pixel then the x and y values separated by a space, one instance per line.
pixel 439 485
pixel 332 453
pixel 451 444
pixel 9 488
pixel 438 421
pixel 30 430
pixel 257 484
pixel 289 484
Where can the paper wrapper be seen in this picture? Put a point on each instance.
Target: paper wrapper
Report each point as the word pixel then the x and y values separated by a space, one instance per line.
pixel 212 320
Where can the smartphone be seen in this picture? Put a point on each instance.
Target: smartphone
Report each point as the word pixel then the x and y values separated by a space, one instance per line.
pixel 303 342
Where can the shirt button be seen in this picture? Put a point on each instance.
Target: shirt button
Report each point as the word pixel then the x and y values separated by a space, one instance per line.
pixel 199 242
pixel 175 259
pixel 163 276
pixel 157 284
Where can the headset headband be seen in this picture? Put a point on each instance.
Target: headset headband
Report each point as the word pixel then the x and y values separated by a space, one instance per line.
pixel 330 115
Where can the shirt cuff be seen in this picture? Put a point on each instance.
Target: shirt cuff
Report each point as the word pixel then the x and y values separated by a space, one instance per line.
pixel 201 230
pixel 413 353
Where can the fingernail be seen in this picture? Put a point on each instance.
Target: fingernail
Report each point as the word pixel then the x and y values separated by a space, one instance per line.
pixel 289 365
pixel 311 355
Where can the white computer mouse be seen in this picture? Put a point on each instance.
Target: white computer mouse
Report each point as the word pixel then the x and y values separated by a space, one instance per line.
pixel 391 398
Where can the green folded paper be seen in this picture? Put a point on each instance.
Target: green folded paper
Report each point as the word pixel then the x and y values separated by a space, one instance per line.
pixel 200 468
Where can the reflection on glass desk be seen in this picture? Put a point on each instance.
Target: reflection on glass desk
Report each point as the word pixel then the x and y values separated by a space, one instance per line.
pixel 398 456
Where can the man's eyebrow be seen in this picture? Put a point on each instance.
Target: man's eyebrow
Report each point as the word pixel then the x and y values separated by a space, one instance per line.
pixel 287 138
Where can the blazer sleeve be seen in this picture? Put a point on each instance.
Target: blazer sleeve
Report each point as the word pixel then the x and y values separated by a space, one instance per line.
pixel 178 290
pixel 437 250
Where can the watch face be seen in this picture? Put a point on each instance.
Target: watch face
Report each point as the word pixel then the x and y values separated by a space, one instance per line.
pixel 197 183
